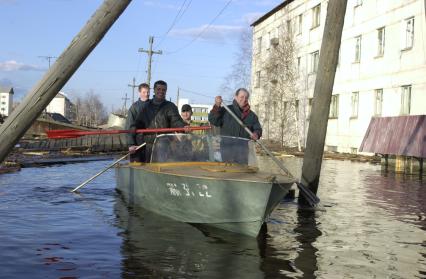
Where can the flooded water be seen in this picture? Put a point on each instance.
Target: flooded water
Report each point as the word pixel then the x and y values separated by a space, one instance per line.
pixel 369 225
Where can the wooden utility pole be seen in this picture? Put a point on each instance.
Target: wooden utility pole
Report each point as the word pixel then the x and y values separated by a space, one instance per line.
pixel 150 52
pixel 48 58
pixel 61 71
pixel 124 110
pixel 133 86
pixel 177 97
pixel 324 82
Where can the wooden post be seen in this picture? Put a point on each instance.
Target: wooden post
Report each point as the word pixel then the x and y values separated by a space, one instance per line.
pixel 322 95
pixel 40 96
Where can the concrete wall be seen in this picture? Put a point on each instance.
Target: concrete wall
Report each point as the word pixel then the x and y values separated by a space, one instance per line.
pixel 397 67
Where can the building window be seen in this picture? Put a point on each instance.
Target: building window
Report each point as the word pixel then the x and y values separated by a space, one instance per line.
pixel 357 57
pixel 268 41
pixel 380 41
pixel 409 33
pixel 316 16
pixel 378 102
pixel 334 107
pixel 299 62
pixel 358 3
pixel 354 104
pixel 3 103
pixel 299 24
pixel 308 114
pixel 405 100
pixel 314 61
pixel 275 110
pixel 296 107
pixel 257 81
pixel 288 24
pixel 259 45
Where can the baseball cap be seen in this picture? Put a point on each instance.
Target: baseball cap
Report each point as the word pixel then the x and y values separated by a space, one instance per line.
pixel 186 107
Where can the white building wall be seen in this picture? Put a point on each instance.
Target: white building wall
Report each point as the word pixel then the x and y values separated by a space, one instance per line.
pixel 6 103
pixel 396 68
pixel 57 105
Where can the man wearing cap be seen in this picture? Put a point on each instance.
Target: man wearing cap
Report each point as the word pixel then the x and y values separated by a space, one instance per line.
pixel 186 113
pixel 133 139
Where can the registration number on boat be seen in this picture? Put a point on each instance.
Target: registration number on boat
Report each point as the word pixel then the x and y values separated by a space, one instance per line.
pixel 186 190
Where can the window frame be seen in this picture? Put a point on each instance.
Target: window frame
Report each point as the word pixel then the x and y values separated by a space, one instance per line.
pixel 358 46
pixel 409 33
pixel 405 99
pixel 334 107
pixel 316 16
pixel 378 92
pixel 314 62
pixel 381 40
pixel 354 104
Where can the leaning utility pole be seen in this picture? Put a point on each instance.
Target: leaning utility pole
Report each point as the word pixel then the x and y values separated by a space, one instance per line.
pixel 323 90
pixel 133 86
pixel 61 71
pixel 150 52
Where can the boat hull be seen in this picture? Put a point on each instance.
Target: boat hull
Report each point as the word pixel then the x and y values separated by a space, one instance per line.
pixel 235 205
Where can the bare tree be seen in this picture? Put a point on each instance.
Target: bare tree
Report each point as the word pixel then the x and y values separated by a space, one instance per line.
pixel 280 85
pixel 89 110
pixel 240 74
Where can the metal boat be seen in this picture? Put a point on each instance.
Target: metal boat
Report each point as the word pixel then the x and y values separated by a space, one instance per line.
pixel 204 179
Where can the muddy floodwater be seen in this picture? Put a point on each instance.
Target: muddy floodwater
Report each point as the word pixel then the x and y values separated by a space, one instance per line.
pixel 370 225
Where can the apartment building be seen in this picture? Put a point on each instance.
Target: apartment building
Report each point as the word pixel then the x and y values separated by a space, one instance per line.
pixel 6 100
pixel 381 69
pixel 62 105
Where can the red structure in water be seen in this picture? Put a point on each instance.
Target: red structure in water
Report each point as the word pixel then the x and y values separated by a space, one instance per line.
pixel 400 135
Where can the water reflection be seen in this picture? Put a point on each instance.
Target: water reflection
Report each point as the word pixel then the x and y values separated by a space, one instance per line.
pixel 372 226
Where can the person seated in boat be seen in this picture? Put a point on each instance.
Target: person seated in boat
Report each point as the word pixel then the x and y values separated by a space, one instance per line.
pixel 219 117
pixel 186 113
pixel 158 113
pixel 133 139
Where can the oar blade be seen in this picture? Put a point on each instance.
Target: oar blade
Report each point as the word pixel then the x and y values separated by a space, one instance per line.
pixel 309 196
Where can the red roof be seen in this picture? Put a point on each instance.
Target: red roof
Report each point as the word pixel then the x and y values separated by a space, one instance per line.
pixel 400 135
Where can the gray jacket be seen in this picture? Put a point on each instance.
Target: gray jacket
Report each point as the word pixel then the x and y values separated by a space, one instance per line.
pixel 219 117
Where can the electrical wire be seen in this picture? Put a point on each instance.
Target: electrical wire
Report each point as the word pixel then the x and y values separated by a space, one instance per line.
pixel 178 16
pixel 202 31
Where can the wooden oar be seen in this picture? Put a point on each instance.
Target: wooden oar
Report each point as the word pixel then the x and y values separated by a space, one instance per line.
pixel 101 172
pixel 63 134
pixel 310 196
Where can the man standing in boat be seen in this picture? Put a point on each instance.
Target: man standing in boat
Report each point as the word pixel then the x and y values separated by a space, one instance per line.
pixel 219 117
pixel 158 113
pixel 133 139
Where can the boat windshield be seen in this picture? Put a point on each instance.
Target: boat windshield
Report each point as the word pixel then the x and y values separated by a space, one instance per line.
pixel 203 148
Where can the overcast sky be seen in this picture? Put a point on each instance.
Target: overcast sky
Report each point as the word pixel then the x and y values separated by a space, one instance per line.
pixel 197 53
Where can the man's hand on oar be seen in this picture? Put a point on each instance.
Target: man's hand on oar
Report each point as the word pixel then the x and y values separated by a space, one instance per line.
pixel 310 196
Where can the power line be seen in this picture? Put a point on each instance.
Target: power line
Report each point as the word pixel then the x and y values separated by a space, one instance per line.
pixel 202 31
pixel 178 16
pixel 200 94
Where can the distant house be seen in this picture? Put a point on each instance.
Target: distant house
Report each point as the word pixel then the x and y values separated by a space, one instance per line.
pixel 6 100
pixel 62 105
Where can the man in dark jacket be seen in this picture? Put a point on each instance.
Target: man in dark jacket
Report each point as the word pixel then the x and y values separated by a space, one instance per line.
pixel 218 116
pixel 158 113
pixel 133 139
